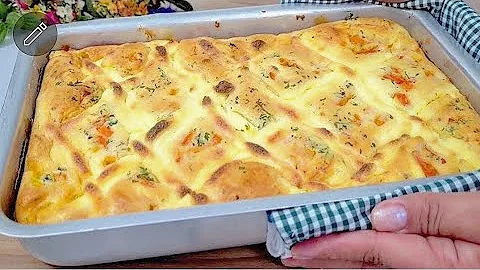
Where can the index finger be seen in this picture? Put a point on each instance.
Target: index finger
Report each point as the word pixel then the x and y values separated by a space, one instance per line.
pixel 380 249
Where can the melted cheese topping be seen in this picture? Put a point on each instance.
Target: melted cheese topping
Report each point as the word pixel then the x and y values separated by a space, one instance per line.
pixel 167 124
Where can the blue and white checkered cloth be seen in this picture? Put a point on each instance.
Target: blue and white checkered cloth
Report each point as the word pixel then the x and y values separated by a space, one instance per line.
pixel 458 19
pixel 292 225
pixel 287 227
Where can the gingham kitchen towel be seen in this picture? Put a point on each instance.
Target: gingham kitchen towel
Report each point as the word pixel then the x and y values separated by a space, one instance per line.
pixel 287 227
pixel 458 19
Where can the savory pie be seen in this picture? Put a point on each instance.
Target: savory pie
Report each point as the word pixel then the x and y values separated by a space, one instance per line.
pixel 168 124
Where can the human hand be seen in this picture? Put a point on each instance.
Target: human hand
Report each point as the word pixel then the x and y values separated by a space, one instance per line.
pixel 423 230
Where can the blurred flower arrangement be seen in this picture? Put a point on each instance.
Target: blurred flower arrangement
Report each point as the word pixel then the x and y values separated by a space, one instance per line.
pixel 8 17
pixel 65 11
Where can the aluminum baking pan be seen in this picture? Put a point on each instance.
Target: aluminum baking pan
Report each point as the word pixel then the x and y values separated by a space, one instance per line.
pixel 198 228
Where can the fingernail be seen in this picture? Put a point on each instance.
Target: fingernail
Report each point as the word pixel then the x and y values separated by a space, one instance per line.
pixel 389 217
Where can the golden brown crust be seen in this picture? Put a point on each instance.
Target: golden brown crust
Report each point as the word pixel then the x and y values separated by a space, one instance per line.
pixel 165 124
pixel 239 180
pixel 153 133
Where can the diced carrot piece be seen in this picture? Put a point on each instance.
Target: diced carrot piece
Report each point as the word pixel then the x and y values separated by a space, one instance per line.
pixel 105 131
pixel 173 91
pixel 287 63
pixel 427 168
pixel 428 72
pixel 394 78
pixel 98 123
pixel 284 62
pixel 402 98
pixel 379 121
pixel 345 100
pixel 272 75
pixel 102 140
pixel 275 137
pixel 109 160
pixel 406 84
pixel 188 138
pixel 216 139
pixel 357 118
pixel 178 157
pixel 368 50
pixel 357 40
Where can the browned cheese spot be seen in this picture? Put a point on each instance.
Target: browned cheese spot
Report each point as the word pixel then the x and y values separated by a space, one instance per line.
pixel 402 138
pixel 117 89
pixel 140 148
pixel 224 87
pixel 206 101
pixel 200 198
pixel 242 180
pixel 108 172
pixel 364 171
pixel 183 191
pixel 206 45
pixel 162 51
pixel 290 112
pixel 58 135
pixel 153 133
pixel 317 185
pixel 350 72
pixel 149 184
pixel 275 137
pixel 416 118
pixel 90 65
pixel 132 80
pixel 257 149
pixel 220 171
pixel 325 132
pixel 288 63
pixel 90 188
pixel 221 123
pixel 258 44
pixel 81 164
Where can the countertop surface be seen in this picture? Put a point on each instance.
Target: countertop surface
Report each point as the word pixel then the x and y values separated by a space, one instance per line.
pixel 12 255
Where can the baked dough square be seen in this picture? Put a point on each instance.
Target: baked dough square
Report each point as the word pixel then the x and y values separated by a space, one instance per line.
pixel 168 124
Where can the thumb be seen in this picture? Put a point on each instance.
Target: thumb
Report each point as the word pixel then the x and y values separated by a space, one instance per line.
pixel 452 215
